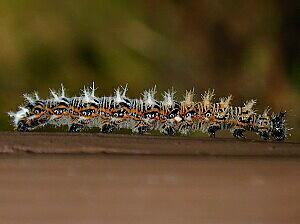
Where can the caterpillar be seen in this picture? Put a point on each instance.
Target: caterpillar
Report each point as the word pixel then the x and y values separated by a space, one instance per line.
pixel 141 115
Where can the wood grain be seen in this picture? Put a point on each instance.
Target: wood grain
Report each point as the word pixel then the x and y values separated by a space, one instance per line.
pixel 14 142
pixel 120 189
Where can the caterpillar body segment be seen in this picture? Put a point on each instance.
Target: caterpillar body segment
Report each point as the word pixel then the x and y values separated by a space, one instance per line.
pixel 168 116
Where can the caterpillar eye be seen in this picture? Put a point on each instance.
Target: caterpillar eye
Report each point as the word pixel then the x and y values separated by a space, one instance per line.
pixel 58 111
pixel 88 112
pixel 208 114
pixel 173 114
pixel 151 115
pixel 37 111
pixel 189 114
pixel 118 114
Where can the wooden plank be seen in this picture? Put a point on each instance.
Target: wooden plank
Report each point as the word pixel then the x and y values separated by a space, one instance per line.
pixel 41 142
pixel 114 189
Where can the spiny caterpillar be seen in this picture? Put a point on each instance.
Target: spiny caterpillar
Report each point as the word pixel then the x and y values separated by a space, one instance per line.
pixel 144 114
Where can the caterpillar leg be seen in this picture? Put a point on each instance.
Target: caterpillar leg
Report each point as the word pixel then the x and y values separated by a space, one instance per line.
pixel 212 131
pixel 23 127
pixel 279 135
pixel 107 128
pixel 167 130
pixel 185 129
pixel 30 125
pixel 76 128
pixel 264 135
pixel 141 128
pixel 239 133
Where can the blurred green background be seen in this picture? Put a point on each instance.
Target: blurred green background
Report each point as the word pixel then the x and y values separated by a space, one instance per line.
pixel 246 48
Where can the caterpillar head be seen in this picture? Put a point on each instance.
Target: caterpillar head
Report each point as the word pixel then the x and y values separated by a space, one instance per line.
pixel 30 116
pixel 278 126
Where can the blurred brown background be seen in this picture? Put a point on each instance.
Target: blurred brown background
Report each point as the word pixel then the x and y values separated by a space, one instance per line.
pixel 246 48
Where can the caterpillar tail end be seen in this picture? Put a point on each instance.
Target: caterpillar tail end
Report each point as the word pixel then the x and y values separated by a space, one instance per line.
pixel 279 131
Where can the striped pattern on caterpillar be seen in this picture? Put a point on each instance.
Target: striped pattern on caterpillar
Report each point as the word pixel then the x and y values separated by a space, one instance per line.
pixel 144 114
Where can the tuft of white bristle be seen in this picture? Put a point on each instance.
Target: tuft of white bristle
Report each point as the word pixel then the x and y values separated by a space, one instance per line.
pixel 266 112
pixel 207 97
pixel 29 98
pixel 149 97
pixel 188 98
pixel 125 89
pixel 88 95
pixel 93 90
pixel 62 93
pixel 36 95
pixel 54 94
pixel 118 96
pixel 249 104
pixel 17 116
pixel 169 98
pixel 226 100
